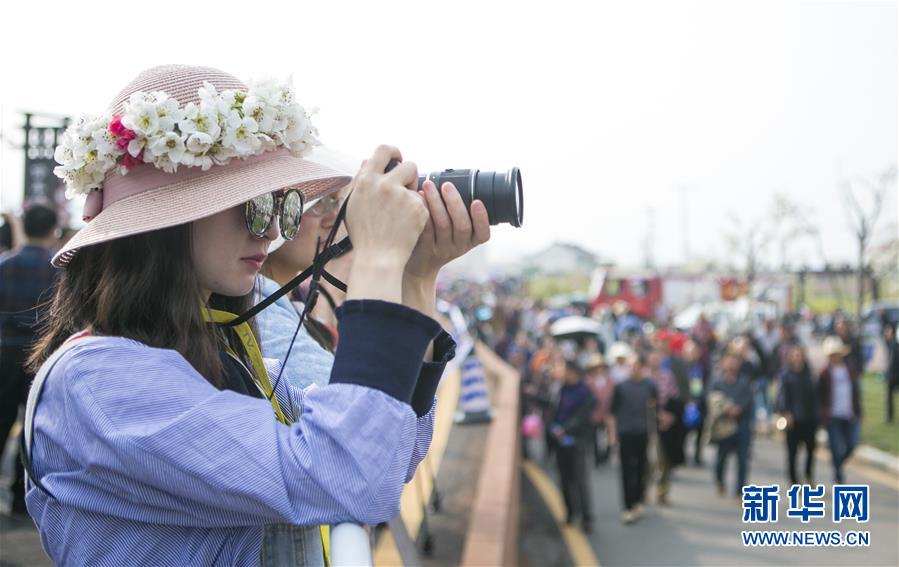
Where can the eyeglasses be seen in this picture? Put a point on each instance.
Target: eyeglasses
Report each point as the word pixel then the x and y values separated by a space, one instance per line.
pixel 287 205
pixel 326 205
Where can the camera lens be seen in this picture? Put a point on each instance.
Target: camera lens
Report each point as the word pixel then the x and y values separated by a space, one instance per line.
pixel 501 193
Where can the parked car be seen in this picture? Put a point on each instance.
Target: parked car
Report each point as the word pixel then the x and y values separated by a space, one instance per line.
pixel 871 330
pixel 876 314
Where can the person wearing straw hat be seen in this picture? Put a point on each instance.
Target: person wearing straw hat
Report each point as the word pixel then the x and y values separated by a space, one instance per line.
pixel 285 261
pixel 156 432
pixel 620 354
pixel 841 410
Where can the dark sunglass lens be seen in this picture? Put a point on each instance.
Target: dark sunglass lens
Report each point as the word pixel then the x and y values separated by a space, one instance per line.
pixel 291 212
pixel 260 212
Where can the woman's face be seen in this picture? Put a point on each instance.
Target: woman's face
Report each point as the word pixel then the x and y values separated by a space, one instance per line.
pixel 298 254
pixel 225 255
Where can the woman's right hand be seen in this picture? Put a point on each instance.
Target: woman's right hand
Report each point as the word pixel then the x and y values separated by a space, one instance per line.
pixel 385 217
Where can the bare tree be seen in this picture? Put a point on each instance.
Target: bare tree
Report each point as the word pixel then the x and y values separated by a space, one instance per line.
pixel 863 204
pixel 749 240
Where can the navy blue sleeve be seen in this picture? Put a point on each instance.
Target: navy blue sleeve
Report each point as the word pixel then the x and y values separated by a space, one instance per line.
pixel 382 346
pixel 429 378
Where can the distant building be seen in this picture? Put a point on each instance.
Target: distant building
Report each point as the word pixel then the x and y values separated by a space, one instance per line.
pixel 559 259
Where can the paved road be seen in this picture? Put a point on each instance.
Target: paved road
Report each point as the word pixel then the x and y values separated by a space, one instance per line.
pixel 701 528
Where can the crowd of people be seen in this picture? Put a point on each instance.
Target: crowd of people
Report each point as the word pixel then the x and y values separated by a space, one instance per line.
pixel 657 395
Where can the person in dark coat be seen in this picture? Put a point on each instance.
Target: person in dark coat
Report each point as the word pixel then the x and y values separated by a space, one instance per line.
pixel 572 428
pixel 891 376
pixel 26 288
pixel 854 359
pixel 797 402
pixel 633 408
pixel 698 383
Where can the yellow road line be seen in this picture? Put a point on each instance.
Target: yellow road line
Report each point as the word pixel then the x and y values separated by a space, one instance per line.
pixel 411 506
pixel 578 546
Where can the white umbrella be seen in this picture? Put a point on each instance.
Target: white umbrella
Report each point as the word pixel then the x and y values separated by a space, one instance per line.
pixel 574 325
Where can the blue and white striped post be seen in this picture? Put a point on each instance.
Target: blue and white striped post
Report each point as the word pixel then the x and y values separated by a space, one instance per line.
pixel 474 399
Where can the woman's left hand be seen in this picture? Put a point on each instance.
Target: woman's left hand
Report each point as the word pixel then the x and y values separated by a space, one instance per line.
pixel 450 231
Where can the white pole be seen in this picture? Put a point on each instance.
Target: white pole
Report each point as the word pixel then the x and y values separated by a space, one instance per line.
pixel 350 546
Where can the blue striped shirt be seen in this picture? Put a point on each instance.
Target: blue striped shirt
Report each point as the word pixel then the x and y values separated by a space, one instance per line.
pixel 308 362
pixel 150 464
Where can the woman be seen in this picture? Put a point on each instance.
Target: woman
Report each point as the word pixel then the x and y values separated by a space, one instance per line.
pixel 670 447
pixel 840 405
pixel 294 256
pixel 602 386
pixel 797 401
pixel 153 439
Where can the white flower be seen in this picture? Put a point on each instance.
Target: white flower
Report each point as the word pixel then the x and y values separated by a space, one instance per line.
pixel 240 135
pixel 208 93
pixel 300 134
pixel 227 101
pixel 261 111
pixel 203 118
pixel 267 90
pixel 166 164
pixel 169 146
pixel 136 145
pixel 140 114
pixel 202 161
pixel 86 155
pixel 199 143
pixel 266 142
pixel 167 111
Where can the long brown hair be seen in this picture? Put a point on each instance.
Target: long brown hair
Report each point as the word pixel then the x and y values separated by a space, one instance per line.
pixel 141 287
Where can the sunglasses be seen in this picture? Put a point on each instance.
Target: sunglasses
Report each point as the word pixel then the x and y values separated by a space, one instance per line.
pixel 287 205
pixel 326 205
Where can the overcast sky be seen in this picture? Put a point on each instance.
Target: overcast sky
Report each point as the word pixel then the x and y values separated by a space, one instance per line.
pixel 608 108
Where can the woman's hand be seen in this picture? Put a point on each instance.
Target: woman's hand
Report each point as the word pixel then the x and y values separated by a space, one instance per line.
pixel 449 232
pixel 385 217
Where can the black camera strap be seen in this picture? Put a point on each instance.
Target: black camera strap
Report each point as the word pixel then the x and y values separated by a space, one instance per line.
pixel 316 271
pixel 323 254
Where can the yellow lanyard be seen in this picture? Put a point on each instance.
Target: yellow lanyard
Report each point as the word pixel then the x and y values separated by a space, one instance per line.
pixel 252 347
pixel 245 334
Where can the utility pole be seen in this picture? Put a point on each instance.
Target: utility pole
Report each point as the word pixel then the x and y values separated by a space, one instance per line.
pixel 648 239
pixel 685 221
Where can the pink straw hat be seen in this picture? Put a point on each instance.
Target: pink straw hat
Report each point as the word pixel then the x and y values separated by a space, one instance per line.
pixel 148 198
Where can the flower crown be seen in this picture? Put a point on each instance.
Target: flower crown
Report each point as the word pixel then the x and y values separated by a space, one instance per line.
pixel 154 128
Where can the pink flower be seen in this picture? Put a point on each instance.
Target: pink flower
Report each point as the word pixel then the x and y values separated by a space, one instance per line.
pixel 116 127
pixel 123 134
pixel 129 161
